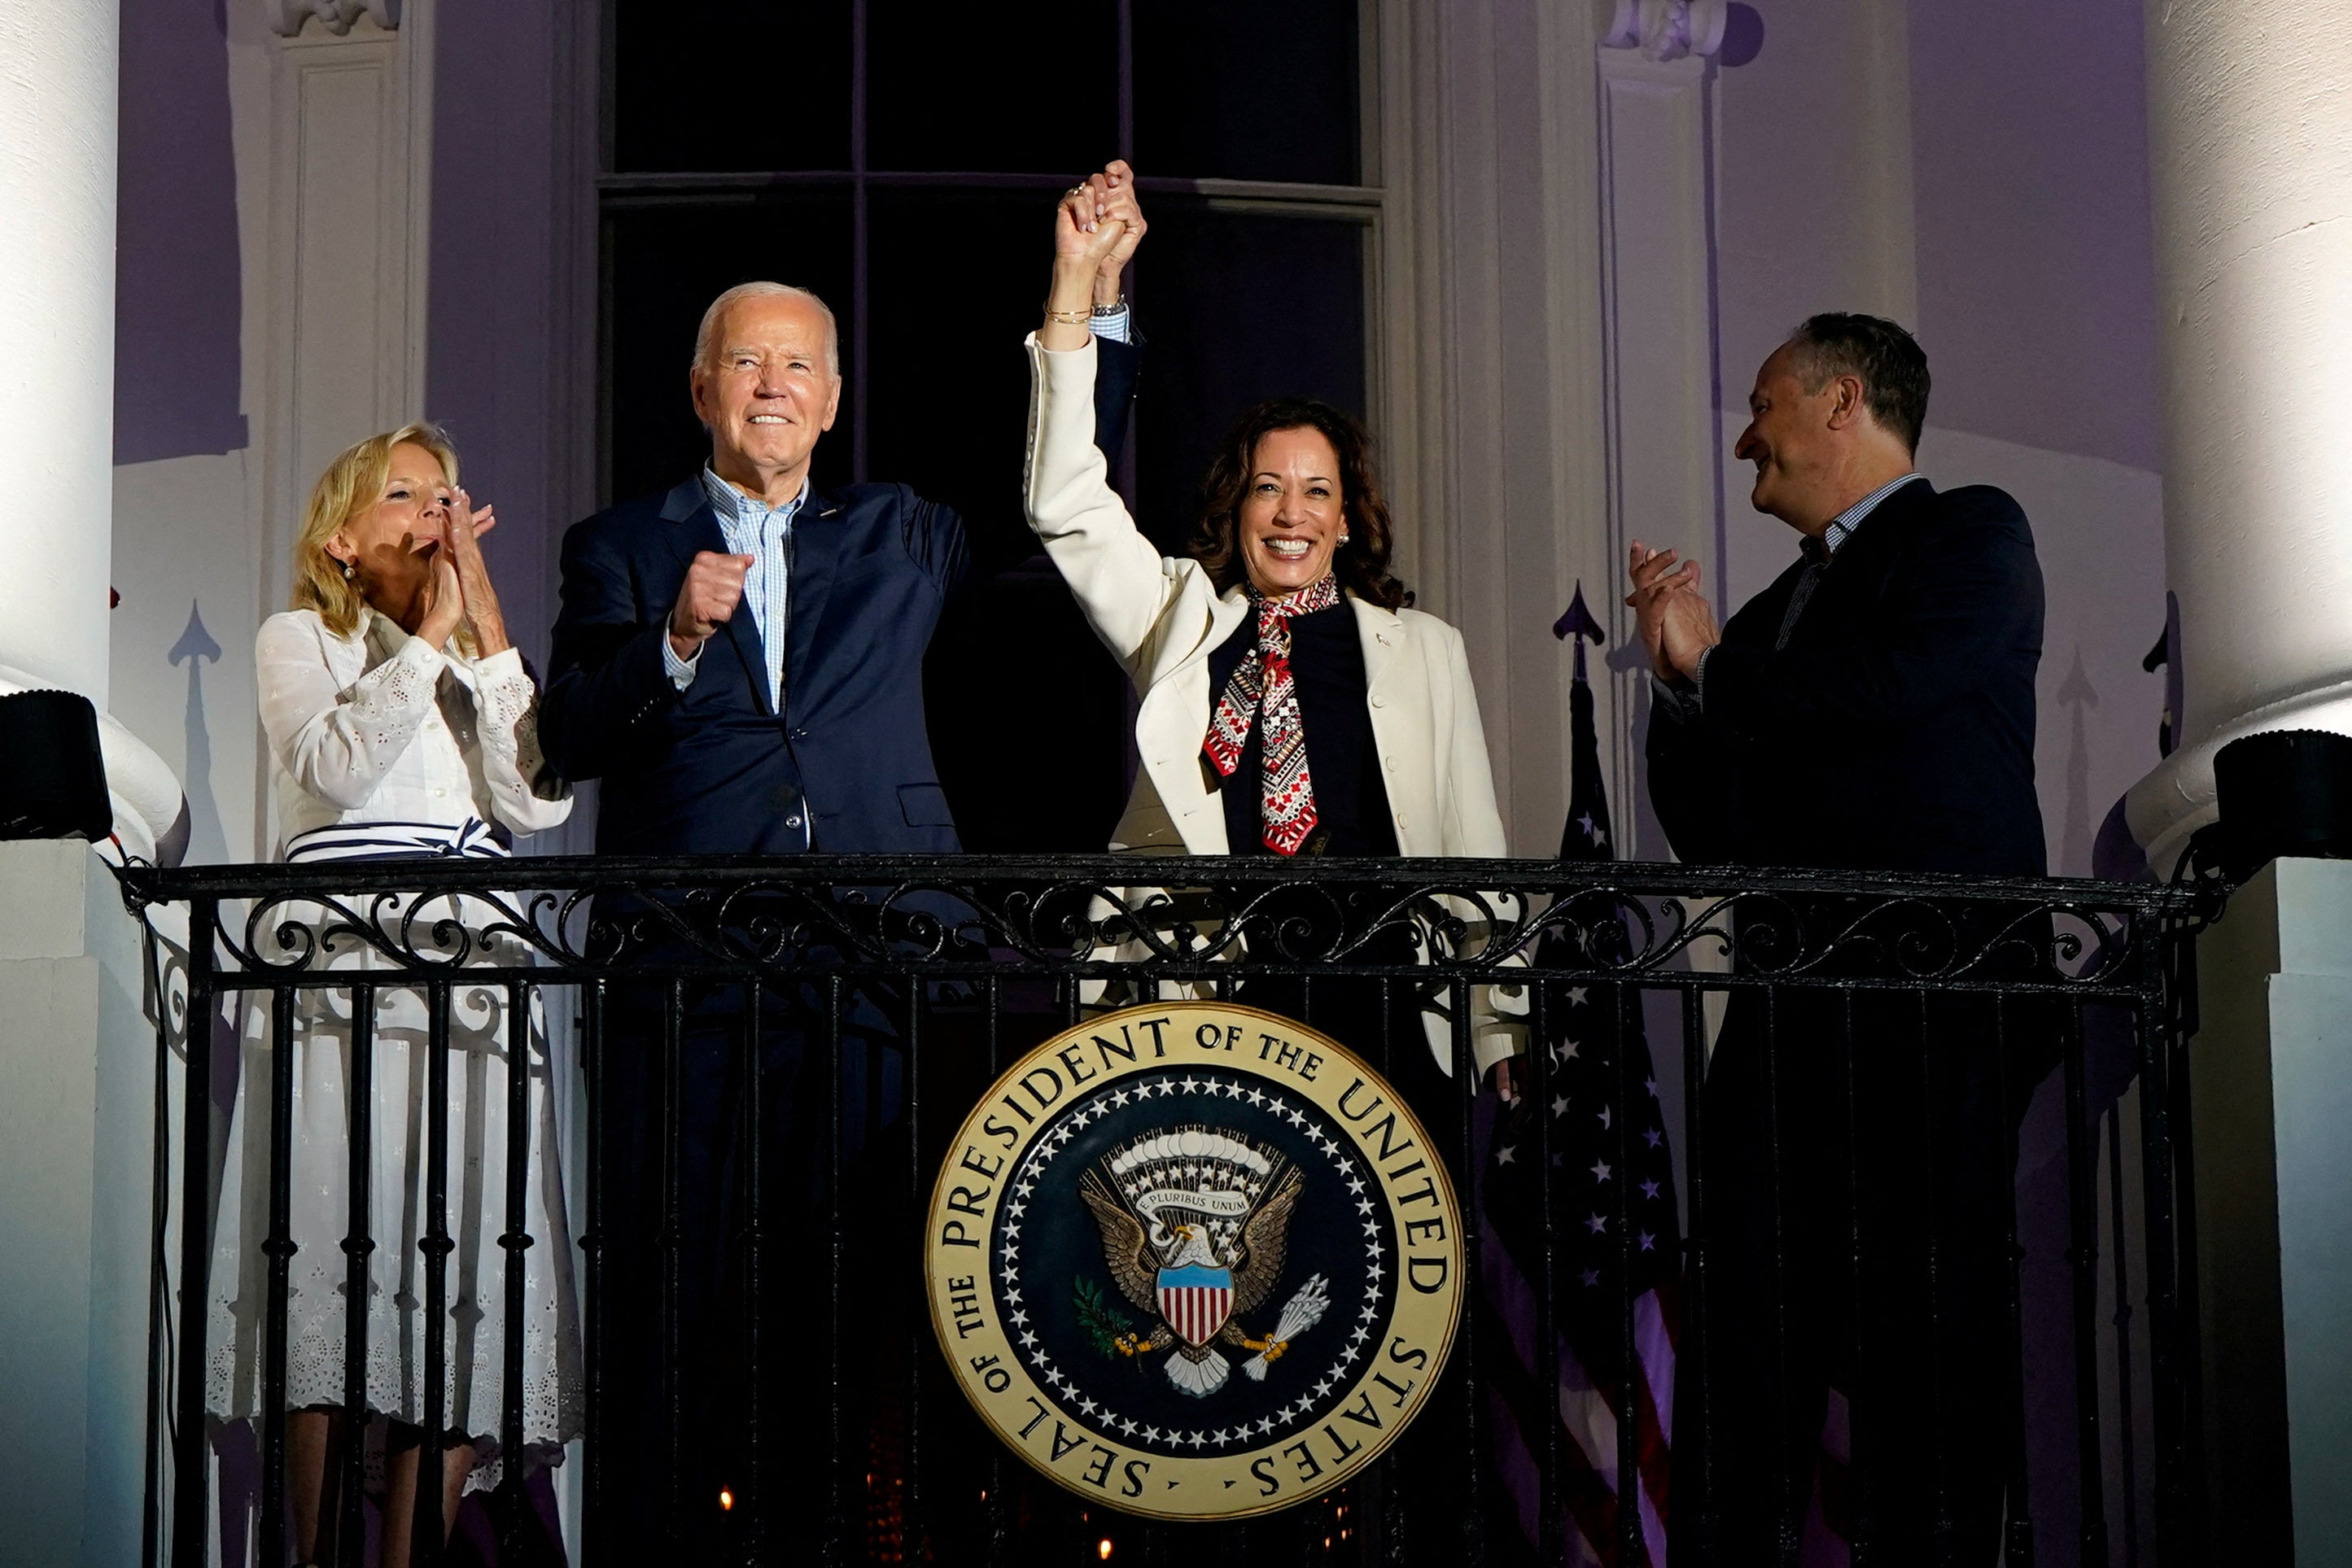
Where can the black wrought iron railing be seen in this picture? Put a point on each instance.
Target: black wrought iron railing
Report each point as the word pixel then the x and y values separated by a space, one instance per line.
pixel 769 1056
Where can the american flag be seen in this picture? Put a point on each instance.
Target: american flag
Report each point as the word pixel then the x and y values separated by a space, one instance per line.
pixel 1612 1190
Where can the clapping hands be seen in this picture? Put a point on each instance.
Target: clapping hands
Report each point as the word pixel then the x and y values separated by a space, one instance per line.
pixel 1675 621
pixel 458 589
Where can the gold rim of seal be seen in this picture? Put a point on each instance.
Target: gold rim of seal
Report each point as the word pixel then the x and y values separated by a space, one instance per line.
pixel 1397 1378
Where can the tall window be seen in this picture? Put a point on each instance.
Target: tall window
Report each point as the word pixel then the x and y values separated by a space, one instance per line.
pixel 901 159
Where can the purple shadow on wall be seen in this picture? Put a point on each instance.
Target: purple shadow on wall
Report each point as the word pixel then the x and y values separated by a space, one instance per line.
pixel 178 302
pixel 1743 35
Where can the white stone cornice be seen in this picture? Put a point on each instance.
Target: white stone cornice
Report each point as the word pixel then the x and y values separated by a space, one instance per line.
pixel 287 16
pixel 1664 29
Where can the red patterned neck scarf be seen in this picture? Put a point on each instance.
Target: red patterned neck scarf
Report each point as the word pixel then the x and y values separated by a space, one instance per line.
pixel 1262 678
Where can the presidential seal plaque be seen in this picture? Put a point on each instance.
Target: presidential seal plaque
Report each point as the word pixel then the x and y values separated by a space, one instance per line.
pixel 1194 1261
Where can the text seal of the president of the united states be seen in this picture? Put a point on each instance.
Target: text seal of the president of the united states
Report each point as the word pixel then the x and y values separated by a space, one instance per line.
pixel 1194 1261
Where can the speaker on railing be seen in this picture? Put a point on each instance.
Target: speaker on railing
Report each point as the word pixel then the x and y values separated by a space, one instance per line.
pixel 52 776
pixel 2283 792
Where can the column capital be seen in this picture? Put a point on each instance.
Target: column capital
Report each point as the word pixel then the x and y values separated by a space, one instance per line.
pixel 1664 29
pixel 287 16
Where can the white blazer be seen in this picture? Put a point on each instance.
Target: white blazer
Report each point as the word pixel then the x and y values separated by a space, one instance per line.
pixel 1161 617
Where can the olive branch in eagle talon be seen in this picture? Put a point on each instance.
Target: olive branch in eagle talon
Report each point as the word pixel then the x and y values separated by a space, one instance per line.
pixel 1197 1275
pixel 1105 1326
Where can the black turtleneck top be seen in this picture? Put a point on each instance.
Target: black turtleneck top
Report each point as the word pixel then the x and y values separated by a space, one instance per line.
pixel 1351 799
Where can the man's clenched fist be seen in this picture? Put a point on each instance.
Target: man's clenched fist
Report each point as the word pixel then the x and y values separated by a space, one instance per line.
pixel 705 600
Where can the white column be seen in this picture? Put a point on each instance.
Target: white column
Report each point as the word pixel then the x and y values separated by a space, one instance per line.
pixel 1659 320
pixel 2272 1123
pixel 2249 129
pixel 59 66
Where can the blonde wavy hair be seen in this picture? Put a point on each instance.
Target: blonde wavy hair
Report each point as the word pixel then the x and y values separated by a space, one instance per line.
pixel 350 484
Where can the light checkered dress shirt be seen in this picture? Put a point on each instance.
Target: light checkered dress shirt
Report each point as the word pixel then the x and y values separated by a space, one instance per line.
pixel 765 534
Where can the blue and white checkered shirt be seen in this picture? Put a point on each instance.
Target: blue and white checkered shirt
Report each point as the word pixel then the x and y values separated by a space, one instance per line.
pixel 1841 527
pixel 765 534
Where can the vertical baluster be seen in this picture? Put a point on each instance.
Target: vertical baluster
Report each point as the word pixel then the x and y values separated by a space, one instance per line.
pixel 751 1504
pixel 515 1244
pixel 191 1488
pixel 1776 1199
pixel 159 1262
pixel 2083 1255
pixel 1699 1522
pixel 917 1524
pixel 1551 1535
pixel 2179 1514
pixel 1858 1409
pixel 1465 1099
pixel 1631 1546
pixel 358 1247
pixel 836 1530
pixel 280 1248
pixel 2127 1427
pixel 437 1246
pixel 2018 1547
pixel 592 1245
pixel 1938 1414
pixel 671 1252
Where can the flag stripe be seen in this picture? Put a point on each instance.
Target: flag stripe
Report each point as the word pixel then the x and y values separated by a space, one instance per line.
pixel 1601 1214
pixel 1195 1311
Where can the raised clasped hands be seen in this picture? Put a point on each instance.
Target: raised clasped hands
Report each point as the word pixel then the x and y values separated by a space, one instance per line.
pixel 1098 223
pixel 458 587
pixel 1675 621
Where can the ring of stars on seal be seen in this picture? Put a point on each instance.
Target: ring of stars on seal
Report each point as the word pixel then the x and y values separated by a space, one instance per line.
pixel 1194 1261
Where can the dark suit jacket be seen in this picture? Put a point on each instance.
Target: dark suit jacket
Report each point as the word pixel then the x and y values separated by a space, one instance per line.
pixel 846 767
pixel 1894 732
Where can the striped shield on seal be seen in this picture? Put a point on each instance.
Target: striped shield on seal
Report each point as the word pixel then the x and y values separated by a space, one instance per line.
pixel 1195 1299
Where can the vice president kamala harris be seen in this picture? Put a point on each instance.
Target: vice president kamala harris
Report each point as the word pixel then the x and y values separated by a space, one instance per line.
pixel 1292 702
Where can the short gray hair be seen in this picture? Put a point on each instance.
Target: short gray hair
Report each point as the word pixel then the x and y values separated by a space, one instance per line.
pixel 704 345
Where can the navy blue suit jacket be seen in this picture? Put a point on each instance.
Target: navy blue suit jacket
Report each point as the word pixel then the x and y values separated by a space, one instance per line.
pixel 846 767
pixel 1895 731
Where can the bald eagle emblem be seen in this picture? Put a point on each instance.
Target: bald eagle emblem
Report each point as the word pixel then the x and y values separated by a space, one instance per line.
pixel 1193 1226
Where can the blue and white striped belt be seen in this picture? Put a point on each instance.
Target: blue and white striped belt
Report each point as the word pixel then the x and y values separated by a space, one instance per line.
pixel 471 839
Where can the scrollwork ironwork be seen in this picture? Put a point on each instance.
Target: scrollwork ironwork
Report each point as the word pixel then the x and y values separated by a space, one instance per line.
pixel 1140 919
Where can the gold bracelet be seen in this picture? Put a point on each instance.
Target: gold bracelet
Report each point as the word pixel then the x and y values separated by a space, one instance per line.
pixel 1068 317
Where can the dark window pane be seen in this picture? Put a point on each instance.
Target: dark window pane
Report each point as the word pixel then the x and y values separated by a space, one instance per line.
pixel 1033 90
pixel 947 414
pixel 666 262
pixel 958 278
pixel 1236 307
pixel 722 85
pixel 1242 89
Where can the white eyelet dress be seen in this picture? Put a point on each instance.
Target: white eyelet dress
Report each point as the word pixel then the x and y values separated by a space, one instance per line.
pixel 387 747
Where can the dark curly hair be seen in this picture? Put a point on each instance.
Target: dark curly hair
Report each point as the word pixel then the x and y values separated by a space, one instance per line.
pixel 1361 564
